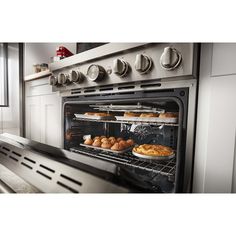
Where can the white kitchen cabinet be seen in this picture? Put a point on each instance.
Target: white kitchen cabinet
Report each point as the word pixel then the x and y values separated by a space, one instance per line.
pixel 214 164
pixel 51 120
pixel 223 59
pixel 33 119
pixel 43 113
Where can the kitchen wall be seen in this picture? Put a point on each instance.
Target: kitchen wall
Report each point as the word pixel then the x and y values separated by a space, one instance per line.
pixel 215 155
pixel 37 53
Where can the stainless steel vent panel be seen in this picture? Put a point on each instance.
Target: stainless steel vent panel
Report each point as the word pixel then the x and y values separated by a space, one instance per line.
pixel 48 175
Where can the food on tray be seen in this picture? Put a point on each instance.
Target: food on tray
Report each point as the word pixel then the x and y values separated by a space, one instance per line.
pixel 119 139
pixel 131 114
pixel 168 115
pixel 144 115
pixel 89 113
pixel 112 140
pixel 117 147
pixel 97 114
pixel 153 150
pixel 130 142
pixel 124 143
pixel 104 140
pixel 112 143
pixel 106 145
pixel 102 114
pixel 88 141
pixel 97 143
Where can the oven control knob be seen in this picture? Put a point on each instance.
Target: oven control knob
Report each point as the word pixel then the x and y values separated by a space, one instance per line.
pixel 120 67
pixel 64 79
pixel 76 76
pixel 53 80
pixel 143 63
pixel 96 72
pixel 170 58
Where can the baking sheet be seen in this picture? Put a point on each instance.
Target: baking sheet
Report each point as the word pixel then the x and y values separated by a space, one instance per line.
pixel 107 150
pixel 171 120
pixel 92 117
pixel 159 158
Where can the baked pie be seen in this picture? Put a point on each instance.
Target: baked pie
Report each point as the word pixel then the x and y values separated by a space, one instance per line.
pixel 153 150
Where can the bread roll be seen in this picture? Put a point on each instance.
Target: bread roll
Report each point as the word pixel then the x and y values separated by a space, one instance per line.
pixel 131 114
pixel 124 143
pixel 130 142
pixel 149 115
pixel 112 140
pixel 97 143
pixel 88 141
pixel 104 140
pixel 117 147
pixel 101 114
pixel 106 145
pixel 119 139
pixel 168 115
pixel 89 113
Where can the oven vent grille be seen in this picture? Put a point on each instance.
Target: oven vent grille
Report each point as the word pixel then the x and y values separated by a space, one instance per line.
pixel 44 171
pixel 48 175
pixel 117 88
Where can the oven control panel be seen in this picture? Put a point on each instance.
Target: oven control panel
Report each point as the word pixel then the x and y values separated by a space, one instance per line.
pixel 120 63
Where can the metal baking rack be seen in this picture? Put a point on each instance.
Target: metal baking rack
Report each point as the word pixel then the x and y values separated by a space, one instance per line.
pixel 127 108
pixel 166 168
pixel 129 122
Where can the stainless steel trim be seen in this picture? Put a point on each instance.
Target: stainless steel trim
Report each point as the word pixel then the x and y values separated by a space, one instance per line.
pixel 94 53
pixel 154 50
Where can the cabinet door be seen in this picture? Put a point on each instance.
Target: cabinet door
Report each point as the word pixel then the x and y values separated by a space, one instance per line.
pixel 219 171
pixel 33 119
pixel 223 59
pixel 51 120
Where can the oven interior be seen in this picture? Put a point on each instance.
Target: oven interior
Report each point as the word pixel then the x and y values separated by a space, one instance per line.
pixel 143 175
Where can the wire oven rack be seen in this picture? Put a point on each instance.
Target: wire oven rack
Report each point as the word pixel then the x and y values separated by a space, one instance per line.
pixel 128 122
pixel 131 108
pixel 166 168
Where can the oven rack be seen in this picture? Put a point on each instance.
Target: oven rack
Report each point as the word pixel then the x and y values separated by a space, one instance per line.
pixel 127 108
pixel 166 168
pixel 128 122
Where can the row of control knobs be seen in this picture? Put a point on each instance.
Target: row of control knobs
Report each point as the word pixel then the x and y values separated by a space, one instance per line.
pixel 169 60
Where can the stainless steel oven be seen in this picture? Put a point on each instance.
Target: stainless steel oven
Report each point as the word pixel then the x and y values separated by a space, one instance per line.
pixel 140 78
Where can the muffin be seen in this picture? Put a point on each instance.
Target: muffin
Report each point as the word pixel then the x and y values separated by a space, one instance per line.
pixel 117 147
pixel 119 139
pixel 104 140
pixel 112 140
pixel 106 144
pixel 97 143
pixel 124 143
pixel 88 141
pixel 130 142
